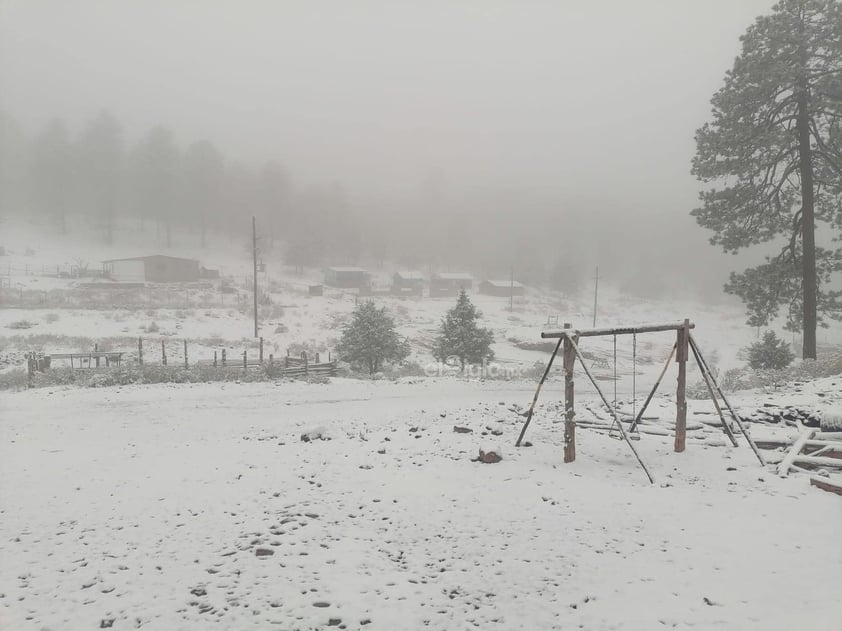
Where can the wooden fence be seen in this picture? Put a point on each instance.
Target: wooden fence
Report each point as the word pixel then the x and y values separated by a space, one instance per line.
pixel 286 366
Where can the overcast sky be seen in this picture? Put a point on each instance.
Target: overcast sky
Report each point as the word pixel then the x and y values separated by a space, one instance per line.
pixel 592 102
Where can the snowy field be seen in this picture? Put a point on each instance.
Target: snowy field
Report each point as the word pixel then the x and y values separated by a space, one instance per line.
pixel 192 507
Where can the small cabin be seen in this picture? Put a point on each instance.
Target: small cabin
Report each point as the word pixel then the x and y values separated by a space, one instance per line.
pixel 347 277
pixel 503 288
pixel 157 268
pixel 450 283
pixel 408 283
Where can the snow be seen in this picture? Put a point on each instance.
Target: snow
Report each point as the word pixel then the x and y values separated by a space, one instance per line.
pixel 147 505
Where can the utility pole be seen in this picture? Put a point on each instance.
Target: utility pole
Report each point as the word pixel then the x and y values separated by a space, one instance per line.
pixel 595 294
pixel 254 260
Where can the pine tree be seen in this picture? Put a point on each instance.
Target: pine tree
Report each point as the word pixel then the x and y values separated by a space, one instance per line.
pixel 774 155
pixel 51 172
pixel 461 337
pixel 370 339
pixel 99 156
pixel 204 173
pixel 771 352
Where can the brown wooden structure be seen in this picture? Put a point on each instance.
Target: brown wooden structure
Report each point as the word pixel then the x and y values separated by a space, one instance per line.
pixel 568 343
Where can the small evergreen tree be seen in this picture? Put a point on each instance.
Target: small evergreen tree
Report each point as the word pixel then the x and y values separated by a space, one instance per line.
pixel 770 352
pixel 461 337
pixel 370 339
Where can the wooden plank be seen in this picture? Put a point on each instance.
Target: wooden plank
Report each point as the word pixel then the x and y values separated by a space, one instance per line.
pixel 827 484
pixel 797 446
pixel 646 328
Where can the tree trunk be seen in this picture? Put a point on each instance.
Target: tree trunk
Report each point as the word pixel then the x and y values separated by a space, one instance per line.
pixel 808 229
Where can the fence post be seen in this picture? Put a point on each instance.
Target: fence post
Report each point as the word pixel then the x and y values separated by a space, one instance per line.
pixel 304 355
pixel 214 359
pixel 140 351
pixel 185 354
pixel 245 360
pixel 96 350
pixel 271 360
pixel 261 350
pixel 223 358
pixel 317 358
pixel 163 354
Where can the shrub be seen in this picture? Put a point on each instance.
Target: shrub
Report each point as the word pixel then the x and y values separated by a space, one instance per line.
pixel 152 327
pixel 20 324
pixel 769 353
pixel 13 380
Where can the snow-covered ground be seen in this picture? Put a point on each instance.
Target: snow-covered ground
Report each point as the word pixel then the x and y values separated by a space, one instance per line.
pixel 186 507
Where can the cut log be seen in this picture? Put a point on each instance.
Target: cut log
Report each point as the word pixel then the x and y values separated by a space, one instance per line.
pixel 797 446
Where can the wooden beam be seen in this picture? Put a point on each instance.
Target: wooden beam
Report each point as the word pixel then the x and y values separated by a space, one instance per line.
pixel 734 415
pixel 797 446
pixel 610 409
pixel 652 392
pixel 707 379
pixel 825 484
pixel 646 328
pixel 681 351
pixel 537 392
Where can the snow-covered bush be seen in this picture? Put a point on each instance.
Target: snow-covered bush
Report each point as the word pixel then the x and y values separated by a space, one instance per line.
pixel 460 337
pixel 370 340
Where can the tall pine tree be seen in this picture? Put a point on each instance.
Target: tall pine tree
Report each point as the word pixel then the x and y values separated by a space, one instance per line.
pixel 773 155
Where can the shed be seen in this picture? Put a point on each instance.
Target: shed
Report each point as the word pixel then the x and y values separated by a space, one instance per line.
pixel 157 268
pixel 450 283
pixel 347 277
pixel 503 288
pixel 408 283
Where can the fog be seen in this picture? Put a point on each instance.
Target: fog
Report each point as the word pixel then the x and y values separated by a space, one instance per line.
pixel 545 126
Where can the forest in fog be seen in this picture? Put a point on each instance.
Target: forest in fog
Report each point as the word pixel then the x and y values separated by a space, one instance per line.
pixel 96 174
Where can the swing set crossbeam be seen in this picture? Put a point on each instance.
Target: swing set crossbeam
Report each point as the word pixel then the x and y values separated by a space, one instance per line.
pixel 625 330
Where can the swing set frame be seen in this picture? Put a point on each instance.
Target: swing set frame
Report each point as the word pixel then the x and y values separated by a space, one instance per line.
pixel 685 344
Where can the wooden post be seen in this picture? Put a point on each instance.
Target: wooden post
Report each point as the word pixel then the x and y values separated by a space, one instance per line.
pixel 214 359
pixel 185 354
pixel 163 353
pixel 245 360
pixel 568 359
pixel 261 350
pixel 317 358
pixel 681 351
pixel 140 351
pixel 223 358
pixel 271 360
pixel 96 350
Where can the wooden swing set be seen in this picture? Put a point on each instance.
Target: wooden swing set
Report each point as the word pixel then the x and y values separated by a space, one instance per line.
pixel 568 343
